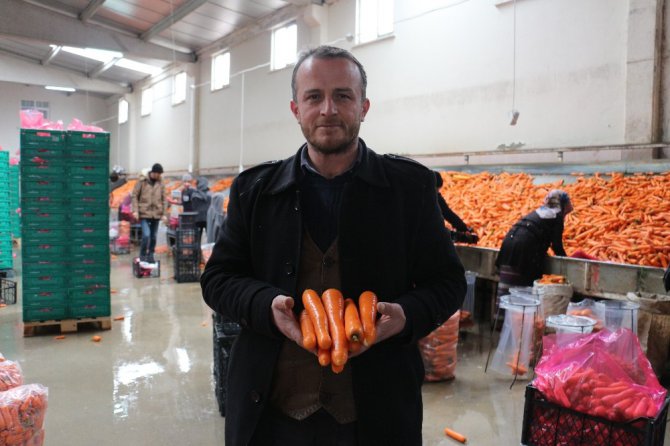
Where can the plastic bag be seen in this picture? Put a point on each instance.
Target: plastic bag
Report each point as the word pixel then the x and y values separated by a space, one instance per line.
pixel 586 307
pixel 10 375
pixel 31 119
pixel 604 374
pixel 23 409
pixel 77 125
pixel 555 297
pixel 438 350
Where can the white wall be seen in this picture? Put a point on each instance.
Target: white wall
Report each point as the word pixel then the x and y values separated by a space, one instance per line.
pixel 442 84
pixel 87 108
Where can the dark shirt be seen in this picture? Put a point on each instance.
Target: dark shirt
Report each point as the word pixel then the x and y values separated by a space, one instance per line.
pixel 320 200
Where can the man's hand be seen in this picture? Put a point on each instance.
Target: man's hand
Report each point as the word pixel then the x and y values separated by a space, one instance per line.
pixel 136 215
pixel 284 318
pixel 392 320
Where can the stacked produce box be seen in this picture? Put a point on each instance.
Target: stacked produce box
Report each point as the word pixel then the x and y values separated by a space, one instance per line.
pixel 6 262
pixel 14 202
pixel 65 229
pixel 187 249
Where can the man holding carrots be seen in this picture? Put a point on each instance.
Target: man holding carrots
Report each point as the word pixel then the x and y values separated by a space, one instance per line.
pixel 335 216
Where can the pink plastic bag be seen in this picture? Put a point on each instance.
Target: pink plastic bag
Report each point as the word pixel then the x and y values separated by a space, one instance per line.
pixel 77 125
pixel 604 374
pixel 31 119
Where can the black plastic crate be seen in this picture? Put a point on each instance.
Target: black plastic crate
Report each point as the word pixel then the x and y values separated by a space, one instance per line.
pixel 187 237
pixel 187 220
pixel 7 291
pixel 186 269
pixel 549 424
pixel 224 333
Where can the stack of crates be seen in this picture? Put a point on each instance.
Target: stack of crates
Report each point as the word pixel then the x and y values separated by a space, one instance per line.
pixel 14 202
pixel 65 206
pixel 6 261
pixel 187 249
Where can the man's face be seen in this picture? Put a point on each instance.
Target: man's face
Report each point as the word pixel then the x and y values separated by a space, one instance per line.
pixel 155 176
pixel 329 106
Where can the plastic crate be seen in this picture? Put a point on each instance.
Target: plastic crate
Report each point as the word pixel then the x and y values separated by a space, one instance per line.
pixel 187 237
pixel 46 186
pixel 7 291
pixel 187 220
pixel 36 313
pixel 92 140
pixel 88 169
pixel 45 151
pixel 88 186
pixel 45 235
pixel 186 269
pixel 549 424
pixel 32 137
pixel 117 248
pixel 92 308
pixel 38 282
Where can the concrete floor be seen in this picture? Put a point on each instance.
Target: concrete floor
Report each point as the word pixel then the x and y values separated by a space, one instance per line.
pixel 149 381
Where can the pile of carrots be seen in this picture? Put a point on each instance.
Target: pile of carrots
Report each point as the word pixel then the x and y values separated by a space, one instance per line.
pixel 617 218
pixel 10 375
pixel 597 394
pixel 438 350
pixel 22 408
pixel 551 278
pixel 334 326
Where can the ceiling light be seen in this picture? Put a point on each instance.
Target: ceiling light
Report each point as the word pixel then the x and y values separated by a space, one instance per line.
pixel 138 66
pixel 68 89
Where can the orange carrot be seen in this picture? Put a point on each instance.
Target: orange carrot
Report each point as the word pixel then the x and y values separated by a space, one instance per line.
pixel 354 346
pixel 312 303
pixel 324 357
pixel 455 435
pixel 308 335
pixel 367 305
pixel 352 321
pixel 333 303
pixel 336 368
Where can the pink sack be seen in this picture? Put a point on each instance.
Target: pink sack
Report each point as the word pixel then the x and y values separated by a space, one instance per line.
pixel 604 374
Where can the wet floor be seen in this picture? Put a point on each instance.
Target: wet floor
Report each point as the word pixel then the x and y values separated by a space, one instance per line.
pixel 149 381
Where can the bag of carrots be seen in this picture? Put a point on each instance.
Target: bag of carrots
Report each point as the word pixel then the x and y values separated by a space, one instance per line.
pixel 438 350
pixel 22 411
pixel 10 375
pixel 586 307
pixel 604 374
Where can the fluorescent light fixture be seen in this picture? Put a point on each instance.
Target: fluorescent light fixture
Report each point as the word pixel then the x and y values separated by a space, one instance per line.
pixel 138 66
pixel 68 89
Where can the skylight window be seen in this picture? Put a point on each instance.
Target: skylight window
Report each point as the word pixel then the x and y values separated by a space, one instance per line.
pixel 104 56
pixel 284 46
pixel 179 88
pixel 220 71
pixel 374 19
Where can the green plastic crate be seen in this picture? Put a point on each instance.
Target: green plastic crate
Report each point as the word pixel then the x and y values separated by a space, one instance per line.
pixel 45 267
pixel 87 169
pixel 42 219
pixel 83 185
pixel 44 251
pixel 76 138
pixel 35 137
pixel 44 281
pixel 54 296
pixel 47 151
pixel 95 276
pixel 39 171
pixel 88 217
pixel 87 247
pixel 95 308
pixel 46 235
pixel 43 202
pixel 50 186
pixel 35 313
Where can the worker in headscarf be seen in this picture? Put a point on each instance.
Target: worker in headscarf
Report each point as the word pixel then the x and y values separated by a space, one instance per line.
pixel 524 249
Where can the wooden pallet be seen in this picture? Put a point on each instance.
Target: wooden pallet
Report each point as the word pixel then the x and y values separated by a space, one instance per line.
pixel 66 325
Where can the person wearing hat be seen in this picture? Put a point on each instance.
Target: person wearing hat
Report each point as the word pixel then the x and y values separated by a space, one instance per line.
pixel 149 206
pixel 521 258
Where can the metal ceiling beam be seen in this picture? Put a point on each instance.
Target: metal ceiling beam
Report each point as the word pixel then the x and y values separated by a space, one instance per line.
pixel 173 18
pixel 52 53
pixel 91 9
pixel 22 70
pixel 103 67
pixel 23 20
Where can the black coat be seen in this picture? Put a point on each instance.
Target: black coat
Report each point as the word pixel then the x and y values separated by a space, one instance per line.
pixel 525 245
pixel 392 240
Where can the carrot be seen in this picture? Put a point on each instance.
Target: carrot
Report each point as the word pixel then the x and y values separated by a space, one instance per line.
pixel 352 321
pixel 333 303
pixel 324 357
pixel 336 368
pixel 367 305
pixel 96 338
pixel 308 335
pixel 455 435
pixel 355 347
pixel 312 303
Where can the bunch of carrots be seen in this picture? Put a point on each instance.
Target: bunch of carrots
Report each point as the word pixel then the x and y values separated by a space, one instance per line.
pixel 597 394
pixel 335 326
pixel 551 278
pixel 438 350
pixel 617 218
pixel 10 375
pixel 22 411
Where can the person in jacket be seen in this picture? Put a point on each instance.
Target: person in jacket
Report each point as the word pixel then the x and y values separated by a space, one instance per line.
pixel 198 199
pixel 521 258
pixel 334 215
pixel 216 216
pixel 149 206
pixel 462 232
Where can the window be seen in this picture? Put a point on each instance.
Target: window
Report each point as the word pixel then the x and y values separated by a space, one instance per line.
pixel 374 19
pixel 179 88
pixel 284 46
pixel 123 111
pixel 147 101
pixel 220 71
pixel 41 106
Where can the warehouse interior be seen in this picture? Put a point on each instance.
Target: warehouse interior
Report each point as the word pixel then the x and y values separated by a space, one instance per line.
pixel 508 99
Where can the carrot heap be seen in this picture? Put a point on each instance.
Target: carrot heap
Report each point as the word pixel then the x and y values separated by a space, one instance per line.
pixel 10 375
pixel 333 326
pixel 22 411
pixel 617 218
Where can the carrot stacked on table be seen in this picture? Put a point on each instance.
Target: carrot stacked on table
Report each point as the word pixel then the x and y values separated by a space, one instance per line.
pixel 616 218
pixel 334 326
pixel 22 408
